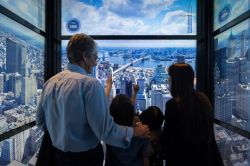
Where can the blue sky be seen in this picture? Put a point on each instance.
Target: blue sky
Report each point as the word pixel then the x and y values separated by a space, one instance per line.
pixel 27 9
pixel 9 26
pixel 237 7
pixel 129 17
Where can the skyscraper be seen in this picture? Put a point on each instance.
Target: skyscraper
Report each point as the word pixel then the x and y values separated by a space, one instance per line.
pixel 16 57
pixel 220 58
pixel 159 96
pixel 160 74
pixel 28 89
pixel 141 95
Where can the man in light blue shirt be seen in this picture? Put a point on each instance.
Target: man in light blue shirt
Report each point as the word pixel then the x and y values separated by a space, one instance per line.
pixel 73 109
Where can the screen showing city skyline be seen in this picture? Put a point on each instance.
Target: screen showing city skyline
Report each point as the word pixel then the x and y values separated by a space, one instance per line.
pixel 118 17
pixel 232 76
pixel 32 11
pixel 22 148
pixel 140 61
pixel 21 73
pixel 227 10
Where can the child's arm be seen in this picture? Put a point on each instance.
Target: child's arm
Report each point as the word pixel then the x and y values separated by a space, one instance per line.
pixel 135 91
pixel 108 86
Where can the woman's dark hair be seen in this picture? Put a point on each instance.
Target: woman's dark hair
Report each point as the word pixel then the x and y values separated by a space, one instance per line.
pixel 122 110
pixel 153 117
pixel 181 80
pixel 194 107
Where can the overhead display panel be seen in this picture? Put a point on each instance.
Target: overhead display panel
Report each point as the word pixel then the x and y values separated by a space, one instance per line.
pixel 129 17
pixel 227 10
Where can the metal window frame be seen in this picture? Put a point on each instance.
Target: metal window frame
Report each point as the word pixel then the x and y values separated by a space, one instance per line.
pixel 244 16
pixel 51 35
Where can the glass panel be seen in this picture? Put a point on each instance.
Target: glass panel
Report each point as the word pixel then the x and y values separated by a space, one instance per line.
pixel 21 73
pixel 234 149
pixel 118 17
pixel 141 61
pixel 32 11
pixel 227 10
pixel 22 148
pixel 232 76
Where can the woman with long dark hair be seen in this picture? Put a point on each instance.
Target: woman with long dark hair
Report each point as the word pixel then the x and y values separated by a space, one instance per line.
pixel 188 129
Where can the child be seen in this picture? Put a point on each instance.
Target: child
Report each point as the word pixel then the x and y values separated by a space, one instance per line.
pixel 153 117
pixel 122 110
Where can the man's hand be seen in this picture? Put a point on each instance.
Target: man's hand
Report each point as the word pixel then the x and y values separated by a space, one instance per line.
pixel 141 130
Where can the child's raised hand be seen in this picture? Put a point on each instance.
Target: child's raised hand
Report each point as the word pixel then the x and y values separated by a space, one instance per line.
pixel 136 88
pixel 109 81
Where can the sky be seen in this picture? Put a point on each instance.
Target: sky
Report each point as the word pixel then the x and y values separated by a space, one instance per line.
pixel 27 9
pixel 129 17
pixel 11 27
pixel 237 7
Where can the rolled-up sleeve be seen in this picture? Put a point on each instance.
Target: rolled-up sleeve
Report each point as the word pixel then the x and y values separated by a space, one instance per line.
pixel 100 120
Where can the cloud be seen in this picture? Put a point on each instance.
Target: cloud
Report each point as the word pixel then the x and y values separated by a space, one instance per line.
pixel 27 9
pixel 139 8
pixel 100 21
pixel 105 21
pixel 176 22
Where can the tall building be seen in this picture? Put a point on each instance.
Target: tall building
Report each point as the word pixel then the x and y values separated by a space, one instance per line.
pixel 232 73
pixel 223 102
pixel 2 81
pixel 159 96
pixel 28 89
pixel 15 84
pixel 16 57
pixel 160 74
pixel 221 57
pixel 231 45
pixel 141 95
pixel 7 153
pixel 242 44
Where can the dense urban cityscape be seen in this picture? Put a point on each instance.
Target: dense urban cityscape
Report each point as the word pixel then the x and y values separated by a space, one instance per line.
pixel 21 81
pixel 232 91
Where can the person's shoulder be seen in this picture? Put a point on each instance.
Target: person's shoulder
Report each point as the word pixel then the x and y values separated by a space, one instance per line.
pixel 171 103
pixel 204 99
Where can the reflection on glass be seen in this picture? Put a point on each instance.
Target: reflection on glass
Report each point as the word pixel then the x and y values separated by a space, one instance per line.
pixel 232 76
pixel 32 11
pixel 141 61
pixel 234 149
pixel 227 10
pixel 22 148
pixel 129 17
pixel 21 74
